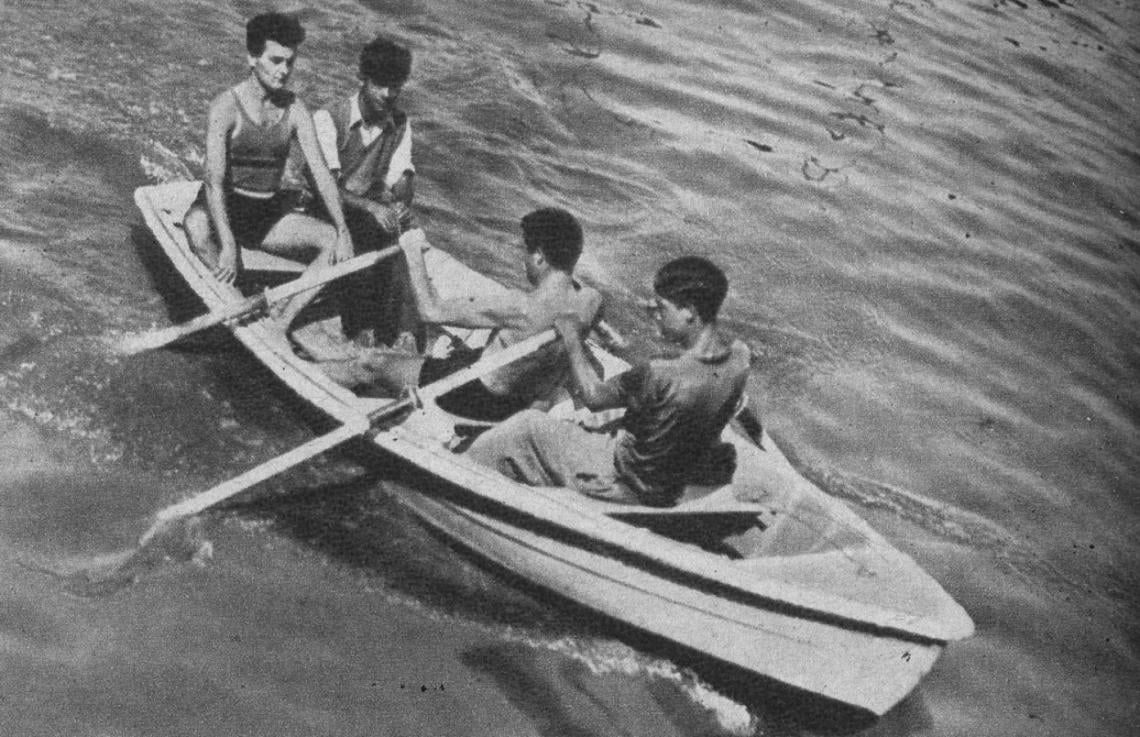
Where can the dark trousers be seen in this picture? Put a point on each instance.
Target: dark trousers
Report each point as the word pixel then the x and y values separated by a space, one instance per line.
pixel 378 299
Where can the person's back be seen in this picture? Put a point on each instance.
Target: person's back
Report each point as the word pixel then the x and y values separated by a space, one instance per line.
pixel 676 410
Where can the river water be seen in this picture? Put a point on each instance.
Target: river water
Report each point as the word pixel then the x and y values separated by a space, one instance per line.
pixel 928 213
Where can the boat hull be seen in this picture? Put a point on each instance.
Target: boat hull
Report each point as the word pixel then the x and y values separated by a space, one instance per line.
pixel 868 671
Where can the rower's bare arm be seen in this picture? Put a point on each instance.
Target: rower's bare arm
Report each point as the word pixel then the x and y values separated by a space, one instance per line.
pixel 510 310
pixel 594 393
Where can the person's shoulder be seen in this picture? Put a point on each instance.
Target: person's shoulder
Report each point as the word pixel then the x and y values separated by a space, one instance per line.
pixel 224 108
pixel 225 100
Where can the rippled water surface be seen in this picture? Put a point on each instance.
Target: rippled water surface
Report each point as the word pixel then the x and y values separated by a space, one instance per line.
pixel 928 214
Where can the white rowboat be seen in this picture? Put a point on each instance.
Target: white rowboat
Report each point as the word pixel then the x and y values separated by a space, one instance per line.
pixel 768 573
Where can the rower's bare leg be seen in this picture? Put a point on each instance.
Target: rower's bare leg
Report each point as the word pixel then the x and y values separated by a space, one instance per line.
pixel 303 238
pixel 200 234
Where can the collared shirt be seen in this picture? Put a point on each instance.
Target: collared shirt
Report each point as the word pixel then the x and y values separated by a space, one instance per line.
pixel 326 136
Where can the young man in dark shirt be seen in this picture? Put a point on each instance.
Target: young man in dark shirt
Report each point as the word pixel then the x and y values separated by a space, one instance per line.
pixel 675 408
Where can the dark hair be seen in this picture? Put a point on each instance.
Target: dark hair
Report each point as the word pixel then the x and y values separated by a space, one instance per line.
pixel 284 29
pixel 556 234
pixel 692 281
pixel 385 62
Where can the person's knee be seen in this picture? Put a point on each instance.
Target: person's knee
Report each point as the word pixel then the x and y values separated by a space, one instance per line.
pixel 197 226
pixel 195 216
pixel 324 239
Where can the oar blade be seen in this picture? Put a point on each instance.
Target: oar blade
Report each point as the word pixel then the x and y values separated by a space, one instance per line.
pixel 136 343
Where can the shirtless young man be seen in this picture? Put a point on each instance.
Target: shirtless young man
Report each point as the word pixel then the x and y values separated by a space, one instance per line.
pixel 248 135
pixel 675 408
pixel 553 243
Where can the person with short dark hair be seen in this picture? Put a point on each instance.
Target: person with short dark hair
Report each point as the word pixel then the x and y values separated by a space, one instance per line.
pixel 675 408
pixel 552 244
pixel 248 136
pixel 367 142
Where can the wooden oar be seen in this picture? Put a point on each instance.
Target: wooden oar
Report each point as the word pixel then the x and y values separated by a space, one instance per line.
pixel 250 305
pixel 356 428
pixel 256 475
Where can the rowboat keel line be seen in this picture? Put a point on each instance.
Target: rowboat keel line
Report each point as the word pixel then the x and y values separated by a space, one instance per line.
pixel 791 584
